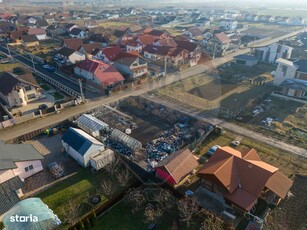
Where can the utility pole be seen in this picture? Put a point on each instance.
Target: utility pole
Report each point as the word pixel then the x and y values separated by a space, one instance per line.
pixel 213 57
pixel 33 62
pixel 81 89
pixel 165 67
pixel 8 49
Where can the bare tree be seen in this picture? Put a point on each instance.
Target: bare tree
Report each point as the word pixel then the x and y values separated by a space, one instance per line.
pixel 136 199
pixel 165 200
pixel 70 212
pixel 113 166
pixel 187 208
pixel 123 177
pixel 152 213
pixel 107 188
pixel 212 222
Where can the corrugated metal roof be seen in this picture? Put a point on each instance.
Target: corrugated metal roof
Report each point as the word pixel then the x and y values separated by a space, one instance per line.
pixel 91 123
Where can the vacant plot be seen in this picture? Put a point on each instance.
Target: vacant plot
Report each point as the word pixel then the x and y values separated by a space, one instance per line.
pixel 288 163
pixel 9 67
pixel 214 89
pixel 113 24
pixel 292 212
pixel 269 30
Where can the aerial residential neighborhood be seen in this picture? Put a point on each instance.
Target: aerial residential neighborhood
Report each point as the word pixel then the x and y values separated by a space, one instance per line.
pixel 153 115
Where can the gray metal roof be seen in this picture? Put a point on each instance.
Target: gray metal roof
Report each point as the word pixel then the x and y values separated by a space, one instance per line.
pixel 91 123
pixel 8 195
pixel 125 139
pixel 11 153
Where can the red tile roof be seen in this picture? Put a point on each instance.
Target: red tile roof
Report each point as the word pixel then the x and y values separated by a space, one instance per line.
pixel 244 176
pixel 73 43
pixel 105 73
pixel 167 42
pixel 146 39
pixel 36 31
pixel 111 52
pixel 89 48
pixel 222 37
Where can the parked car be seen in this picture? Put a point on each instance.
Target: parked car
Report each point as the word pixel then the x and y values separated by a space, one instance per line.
pixel 43 106
pixel 49 68
pixel 56 170
pixel 212 150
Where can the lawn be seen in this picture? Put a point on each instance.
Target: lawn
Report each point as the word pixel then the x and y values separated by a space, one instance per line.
pixel 9 67
pixel 114 24
pixel 119 217
pixel 45 87
pixel 76 190
pixel 57 96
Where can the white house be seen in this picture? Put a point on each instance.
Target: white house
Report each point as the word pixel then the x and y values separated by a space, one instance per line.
pixel 81 146
pixel 287 69
pixel 297 21
pixel 17 163
pixel 247 60
pixel 69 56
pixel 272 52
pixel 99 74
pixel 13 163
pixel 77 33
pixel 229 24
pixel 18 90
pixel 40 33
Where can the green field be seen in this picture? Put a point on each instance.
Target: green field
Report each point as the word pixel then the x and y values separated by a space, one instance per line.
pixel 286 12
pixel 9 67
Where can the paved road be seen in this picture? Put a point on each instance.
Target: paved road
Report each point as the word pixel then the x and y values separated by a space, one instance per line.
pixel 67 82
pixel 24 128
pixel 229 126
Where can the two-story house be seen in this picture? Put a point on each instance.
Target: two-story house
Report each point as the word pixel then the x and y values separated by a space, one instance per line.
pixel 241 178
pixel 106 54
pixel 17 163
pixel 294 72
pixel 134 46
pixel 77 33
pixel 218 44
pixel 272 52
pixel 98 74
pixel 130 65
pixel 229 24
pixel 40 33
pixel 67 56
pixel 18 91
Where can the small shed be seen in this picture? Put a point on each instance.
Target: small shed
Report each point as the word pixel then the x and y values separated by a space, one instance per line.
pixel 100 160
pixel 126 140
pixel 177 166
pixel 92 125
pixel 81 146
pixel 31 213
pixel 247 60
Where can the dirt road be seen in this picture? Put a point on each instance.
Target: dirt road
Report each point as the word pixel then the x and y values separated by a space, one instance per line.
pixel 50 120
pixel 230 126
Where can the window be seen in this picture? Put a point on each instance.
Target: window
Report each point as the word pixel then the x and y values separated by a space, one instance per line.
pixel 29 168
pixel 31 96
pixel 20 100
pixel 284 69
pixel 28 88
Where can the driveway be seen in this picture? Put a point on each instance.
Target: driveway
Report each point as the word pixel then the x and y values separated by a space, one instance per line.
pixel 51 148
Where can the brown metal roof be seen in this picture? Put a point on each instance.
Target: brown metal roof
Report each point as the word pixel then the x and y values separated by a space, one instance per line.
pixel 279 184
pixel 244 171
pixel 179 164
